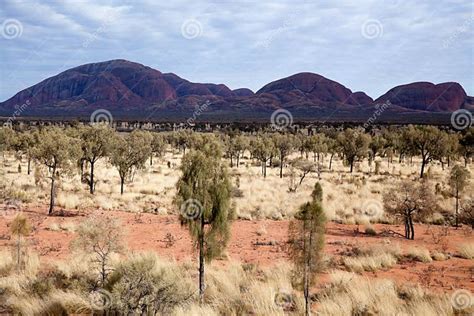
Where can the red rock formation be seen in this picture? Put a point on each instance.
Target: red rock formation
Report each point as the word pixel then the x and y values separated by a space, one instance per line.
pixel 426 96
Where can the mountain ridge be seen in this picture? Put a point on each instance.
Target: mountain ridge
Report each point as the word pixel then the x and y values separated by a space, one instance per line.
pixel 134 88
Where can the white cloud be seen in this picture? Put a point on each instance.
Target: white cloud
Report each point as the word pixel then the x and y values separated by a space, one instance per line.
pixel 319 37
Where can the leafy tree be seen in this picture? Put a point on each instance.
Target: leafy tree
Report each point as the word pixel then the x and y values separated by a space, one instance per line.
pixel 100 237
pixel 376 146
pixel 203 195
pixel 29 140
pixel 354 145
pixel 426 141
pixel 19 227
pixel 130 153
pixel 57 151
pixel 410 201
pixel 317 194
pixel 7 138
pixel 284 144
pixel 183 140
pixel 451 148
pixel 262 148
pixel 306 242
pixel 318 145
pixel 466 145
pixel 303 144
pixel 236 148
pixel 158 146
pixel 332 148
pixel 95 144
pixel 458 180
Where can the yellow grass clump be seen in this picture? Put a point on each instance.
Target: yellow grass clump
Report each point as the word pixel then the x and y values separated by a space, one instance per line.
pixel 466 251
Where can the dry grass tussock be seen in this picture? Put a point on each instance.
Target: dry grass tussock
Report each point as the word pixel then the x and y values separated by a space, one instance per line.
pixel 419 254
pixel 350 294
pixel 145 279
pixel 348 198
pixel 371 258
pixel 466 251
pixel 66 287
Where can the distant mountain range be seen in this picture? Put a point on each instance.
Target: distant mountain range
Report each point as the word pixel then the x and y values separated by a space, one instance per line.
pixel 133 91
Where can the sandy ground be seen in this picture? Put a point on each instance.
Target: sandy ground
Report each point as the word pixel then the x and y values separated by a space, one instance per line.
pixel 260 242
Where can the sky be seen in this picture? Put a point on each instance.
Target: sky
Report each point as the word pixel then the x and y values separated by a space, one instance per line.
pixel 366 45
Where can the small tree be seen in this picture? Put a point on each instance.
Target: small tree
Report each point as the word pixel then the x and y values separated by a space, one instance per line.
pixel 100 237
pixel 262 148
pixel 57 151
pixel 24 144
pixel 467 213
pixel 19 228
pixel 332 148
pixel 237 147
pixel 318 145
pixel 304 167
pixel 203 195
pixel 95 144
pixel 376 146
pixel 158 146
pixel 306 242
pixel 7 139
pixel 427 141
pixel 410 201
pixel 458 180
pixel 130 153
pixel 466 145
pixel 284 145
pixel 354 145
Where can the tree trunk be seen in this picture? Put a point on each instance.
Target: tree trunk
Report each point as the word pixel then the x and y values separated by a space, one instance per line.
pixel 281 166
pixel 352 164
pixel 29 165
pixel 412 228
pixel 151 159
pixel 122 181
pixel 51 198
pixel 238 159
pixel 231 162
pixel 103 272
pixel 330 161
pixel 91 182
pixel 201 262
pixel 457 208
pixel 423 162
pixel 407 229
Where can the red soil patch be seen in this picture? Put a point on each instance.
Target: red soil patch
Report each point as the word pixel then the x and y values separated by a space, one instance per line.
pixel 261 242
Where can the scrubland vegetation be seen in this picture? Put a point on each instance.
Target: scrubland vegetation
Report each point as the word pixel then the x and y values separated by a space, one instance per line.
pixel 370 181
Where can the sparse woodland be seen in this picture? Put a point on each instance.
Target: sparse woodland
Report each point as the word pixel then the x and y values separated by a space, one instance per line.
pixel 392 186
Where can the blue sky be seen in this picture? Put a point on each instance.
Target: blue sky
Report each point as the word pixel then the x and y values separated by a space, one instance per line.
pixel 368 46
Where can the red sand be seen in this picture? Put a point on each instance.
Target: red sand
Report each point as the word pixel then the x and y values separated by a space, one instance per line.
pixel 148 232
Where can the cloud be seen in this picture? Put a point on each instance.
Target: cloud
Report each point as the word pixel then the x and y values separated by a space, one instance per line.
pixel 245 44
